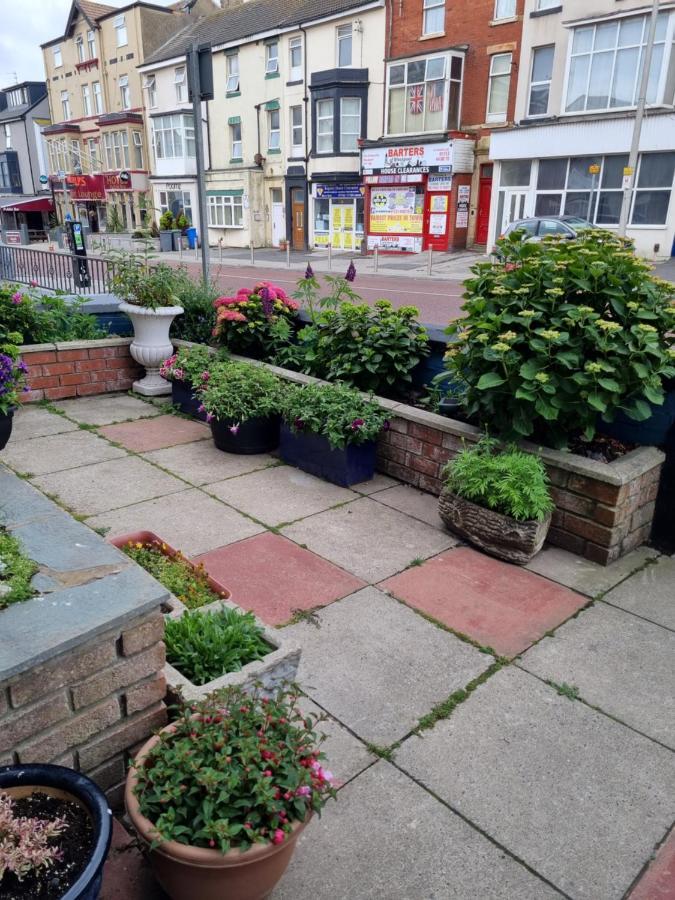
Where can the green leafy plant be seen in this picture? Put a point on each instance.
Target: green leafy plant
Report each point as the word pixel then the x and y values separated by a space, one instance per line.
pixel 182 221
pixel 239 769
pixel 508 481
pixel 188 584
pixel 206 645
pixel 237 392
pixel 140 283
pixel 44 318
pixel 560 332
pixel 167 221
pixel 248 321
pixel 114 219
pixel 199 317
pixel 190 364
pixel 16 571
pixel 335 411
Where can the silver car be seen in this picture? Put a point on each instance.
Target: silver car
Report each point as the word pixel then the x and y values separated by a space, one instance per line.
pixel 539 227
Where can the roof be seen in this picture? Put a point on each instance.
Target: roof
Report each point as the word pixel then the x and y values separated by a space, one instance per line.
pixel 247 19
pixel 94 11
pixel 18 112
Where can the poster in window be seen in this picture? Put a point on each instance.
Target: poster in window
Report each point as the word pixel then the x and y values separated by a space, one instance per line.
pixel 437 223
pixel 337 218
pixel 439 203
pixel 348 240
pixel 463 195
pixel 321 240
pixel 349 218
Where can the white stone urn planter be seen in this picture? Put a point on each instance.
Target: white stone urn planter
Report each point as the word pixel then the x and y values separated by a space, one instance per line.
pixel 151 344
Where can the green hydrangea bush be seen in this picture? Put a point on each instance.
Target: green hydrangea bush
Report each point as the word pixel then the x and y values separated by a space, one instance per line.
pixel 559 333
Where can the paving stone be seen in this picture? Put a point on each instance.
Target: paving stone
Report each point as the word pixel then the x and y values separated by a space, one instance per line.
pixel 274 577
pixel 58 452
pixel 649 593
pixel 658 882
pixel 127 874
pixel 584 575
pixel 90 490
pixel 620 663
pixel 65 545
pixel 34 421
pixel 414 503
pixel 495 603
pixel 368 538
pixel 19 501
pixel 386 837
pixel 377 483
pixel 281 494
pixel 189 521
pixel 378 667
pixel 346 755
pixel 202 462
pixel 106 409
pixel 153 434
pixel 578 797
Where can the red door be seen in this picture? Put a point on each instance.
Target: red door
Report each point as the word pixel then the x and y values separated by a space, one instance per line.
pixel 436 224
pixel 484 198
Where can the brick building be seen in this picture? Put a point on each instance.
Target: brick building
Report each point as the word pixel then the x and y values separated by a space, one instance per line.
pixel 450 82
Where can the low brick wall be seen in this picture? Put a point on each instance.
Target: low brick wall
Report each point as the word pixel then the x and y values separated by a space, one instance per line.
pixel 79 368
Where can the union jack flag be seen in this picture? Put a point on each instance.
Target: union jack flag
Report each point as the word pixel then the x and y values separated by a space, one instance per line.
pixel 416 99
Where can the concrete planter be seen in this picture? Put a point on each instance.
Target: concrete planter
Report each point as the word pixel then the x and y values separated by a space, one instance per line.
pixel 151 344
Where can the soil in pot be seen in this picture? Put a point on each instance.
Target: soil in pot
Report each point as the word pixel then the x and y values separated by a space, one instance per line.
pixel 257 435
pixel 6 422
pixel 76 842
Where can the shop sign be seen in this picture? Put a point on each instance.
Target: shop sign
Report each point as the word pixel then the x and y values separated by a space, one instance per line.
pixel 86 187
pixel 12 237
pixel 338 191
pixel 393 179
pixel 419 158
pixel 463 196
pixel 395 242
pixel 115 182
pixel 440 183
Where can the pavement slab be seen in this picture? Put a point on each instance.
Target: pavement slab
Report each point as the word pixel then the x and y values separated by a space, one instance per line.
pixel 580 798
pixel 386 837
pixel 94 489
pixel 620 663
pixel 274 578
pixel 34 421
pixel 155 433
pixel 346 755
pixel 378 667
pixel 105 410
pixel 658 882
pixel 202 462
pixel 126 873
pixel 417 504
pixel 376 484
pixel 584 575
pixel 190 521
pixel 58 452
pixel 369 539
pixel 62 544
pixel 280 494
pixel 497 604
pixel 649 593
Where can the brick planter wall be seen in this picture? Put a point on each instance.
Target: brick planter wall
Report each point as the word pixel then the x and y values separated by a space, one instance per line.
pixel 79 368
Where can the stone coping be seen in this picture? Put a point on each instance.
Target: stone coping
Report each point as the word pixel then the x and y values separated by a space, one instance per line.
pixel 87 586
pixel 76 345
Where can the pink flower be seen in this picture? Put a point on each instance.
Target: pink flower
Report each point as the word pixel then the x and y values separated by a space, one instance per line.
pixel 291 304
pixel 244 292
pixel 278 837
pixel 209 417
pixel 17 298
pixel 33 282
pixel 356 424
pixel 231 315
pixel 303 791
pixel 205 376
pixel 234 429
pixel 226 301
pixel 201 408
pixel 179 374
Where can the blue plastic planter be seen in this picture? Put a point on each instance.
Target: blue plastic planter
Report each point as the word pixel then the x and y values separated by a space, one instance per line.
pixel 82 789
pixel 183 396
pixel 653 431
pixel 313 453
pixel 191 234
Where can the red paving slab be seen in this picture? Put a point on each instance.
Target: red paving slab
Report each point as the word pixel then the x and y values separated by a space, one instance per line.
pixel 126 874
pixel 658 882
pixel 273 577
pixel 155 434
pixel 497 604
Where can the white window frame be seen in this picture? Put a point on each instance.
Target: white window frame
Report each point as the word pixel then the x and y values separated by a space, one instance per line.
pixel 150 86
pixel 273 131
pixel 125 93
pixel 91 44
pixel 355 135
pixel 121 36
pixel 344 33
pixel 534 84
pixel 137 139
pixel 295 72
pixel 233 83
pixel 79 44
pixel 297 131
pixel 180 82
pixel 405 86
pixel 184 199
pixel 172 132
pixel 492 78
pixel 8 136
pixel 75 155
pixel 272 58
pixel 98 97
pixel 65 104
pixel 58 57
pixel 86 100
pixel 329 133
pixel 429 12
pixel 93 159
pixel 236 143
pixel 547 4
pixel 505 9
pixel 220 206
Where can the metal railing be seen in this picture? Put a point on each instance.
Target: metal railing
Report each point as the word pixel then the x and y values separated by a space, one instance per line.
pixel 56 270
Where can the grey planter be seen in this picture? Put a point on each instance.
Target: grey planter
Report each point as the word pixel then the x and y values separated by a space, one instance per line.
pixel 166 241
pixel 494 533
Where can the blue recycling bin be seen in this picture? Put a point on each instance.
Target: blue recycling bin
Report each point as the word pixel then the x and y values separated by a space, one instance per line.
pixel 191 234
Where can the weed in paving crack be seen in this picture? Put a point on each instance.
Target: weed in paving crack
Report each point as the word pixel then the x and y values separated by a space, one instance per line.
pixel 445 709
pixel 383 752
pixel 571 691
pixel 309 616
pixel 418 561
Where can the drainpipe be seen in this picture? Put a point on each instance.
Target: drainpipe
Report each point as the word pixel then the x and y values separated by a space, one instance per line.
pixel 257 121
pixel 305 101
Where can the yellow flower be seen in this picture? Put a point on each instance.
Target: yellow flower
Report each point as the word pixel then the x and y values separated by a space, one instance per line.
pixel 586 310
pixel 593 368
pixel 139 546
pixel 608 326
pixel 549 334
pixel 527 313
pixel 649 329
pixel 508 336
pixel 541 377
pixel 483 338
pixel 633 305
pixel 500 347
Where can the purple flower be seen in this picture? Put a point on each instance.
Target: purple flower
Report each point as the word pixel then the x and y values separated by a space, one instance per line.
pixel 17 298
pixel 234 429
pixel 209 417
pixel 267 303
pixel 351 272
pixel 309 272
pixel 386 425
pixel 201 408
pixel 299 424
pixel 356 424
pixel 23 367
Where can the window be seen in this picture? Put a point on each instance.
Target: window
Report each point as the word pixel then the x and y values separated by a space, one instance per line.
pixel 173 136
pixel 93 161
pixel 58 61
pixel 606 61
pixel 180 80
pixel 433 17
pixel 65 104
pixel 540 80
pixel 17 97
pixel 236 146
pixel 86 100
pixel 232 73
pixel 498 87
pixel 75 158
pixel 350 124
pixel 79 44
pixel 8 137
pixel 295 59
pixel 138 149
pixel 272 58
pixel 151 88
pixel 296 131
pixel 98 99
pixel 226 212
pixel 123 84
pixel 344 45
pixel 418 98
pixel 274 132
pixel 175 201
pixel 121 31
pixel 505 9
pixel 654 185
pixel 548 4
pixel 91 44
pixel 324 126
pixel 116 145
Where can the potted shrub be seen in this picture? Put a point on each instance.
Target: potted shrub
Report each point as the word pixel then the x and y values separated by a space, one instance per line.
pixel 497 500
pixel 330 430
pixel 242 404
pixel 188 370
pixel 55 832
pixel 12 382
pixel 248 321
pixel 166 226
pixel 222 794
pixel 151 304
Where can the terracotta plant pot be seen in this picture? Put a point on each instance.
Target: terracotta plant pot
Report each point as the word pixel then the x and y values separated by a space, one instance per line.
pixel 198 873
pixel 496 534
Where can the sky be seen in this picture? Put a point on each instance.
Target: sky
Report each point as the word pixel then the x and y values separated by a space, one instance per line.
pixel 25 25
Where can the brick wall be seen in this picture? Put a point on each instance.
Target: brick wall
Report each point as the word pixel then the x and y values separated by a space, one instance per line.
pixel 89 708
pixel 79 368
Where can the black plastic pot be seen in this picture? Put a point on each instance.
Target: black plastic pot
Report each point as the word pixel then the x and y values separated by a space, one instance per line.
pixel 652 431
pixel 183 396
pixel 257 435
pixel 82 789
pixel 313 453
pixel 6 421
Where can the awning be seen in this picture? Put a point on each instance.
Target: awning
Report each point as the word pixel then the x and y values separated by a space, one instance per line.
pixel 34 204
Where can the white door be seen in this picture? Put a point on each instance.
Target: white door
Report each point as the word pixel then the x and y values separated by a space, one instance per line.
pixel 278 217
pixel 514 207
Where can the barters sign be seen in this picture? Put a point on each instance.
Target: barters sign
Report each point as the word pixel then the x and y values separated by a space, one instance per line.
pixel 407 160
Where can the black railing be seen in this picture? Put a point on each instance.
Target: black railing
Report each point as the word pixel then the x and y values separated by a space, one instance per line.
pixel 56 270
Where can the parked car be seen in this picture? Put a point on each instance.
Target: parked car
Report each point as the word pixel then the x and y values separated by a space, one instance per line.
pixel 543 226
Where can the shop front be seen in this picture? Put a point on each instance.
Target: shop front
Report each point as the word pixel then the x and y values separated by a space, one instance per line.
pixel 107 201
pixel 176 196
pixel 338 215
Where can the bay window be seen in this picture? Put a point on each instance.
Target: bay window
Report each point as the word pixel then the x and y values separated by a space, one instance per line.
pixel 324 126
pixel 350 124
pixel 424 94
pixel 226 211
pixel 173 136
pixel 176 202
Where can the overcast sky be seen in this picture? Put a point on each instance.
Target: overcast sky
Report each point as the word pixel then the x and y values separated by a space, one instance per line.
pixel 25 25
